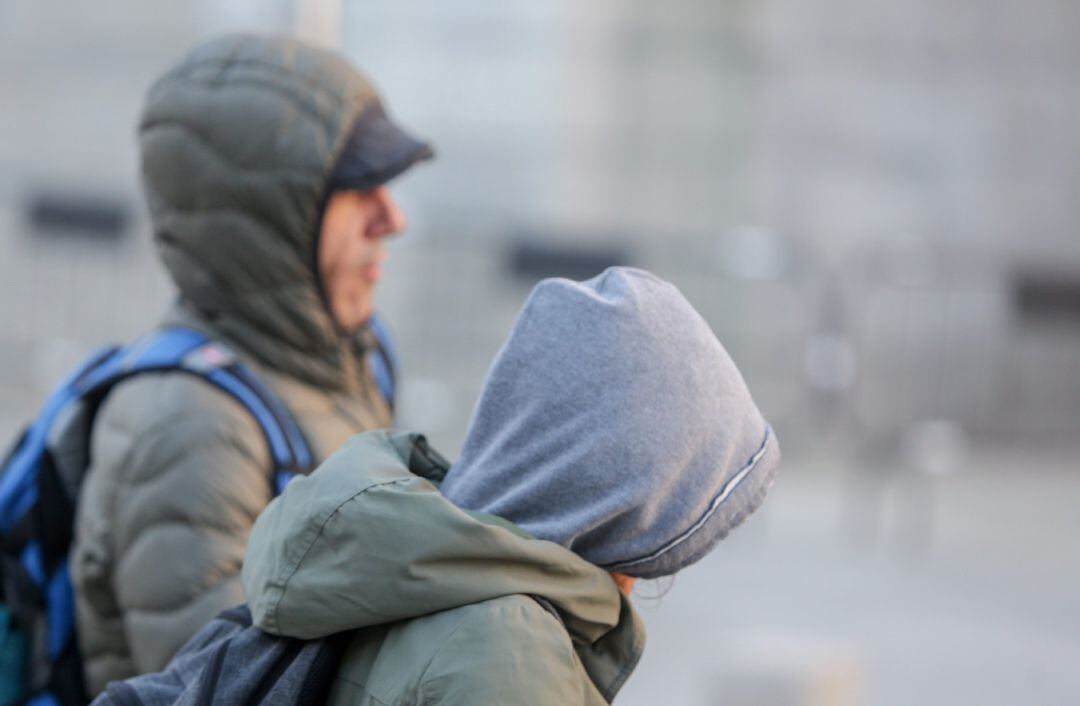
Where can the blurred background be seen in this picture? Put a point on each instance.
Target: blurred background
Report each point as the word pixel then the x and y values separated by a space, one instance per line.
pixel 874 204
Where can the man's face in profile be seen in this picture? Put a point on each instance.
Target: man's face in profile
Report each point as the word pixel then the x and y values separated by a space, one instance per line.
pixel 352 249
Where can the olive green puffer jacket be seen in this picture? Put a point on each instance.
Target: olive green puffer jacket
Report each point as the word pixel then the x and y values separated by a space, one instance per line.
pixel 237 141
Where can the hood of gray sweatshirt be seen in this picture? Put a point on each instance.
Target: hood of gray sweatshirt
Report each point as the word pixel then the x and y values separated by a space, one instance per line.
pixel 614 423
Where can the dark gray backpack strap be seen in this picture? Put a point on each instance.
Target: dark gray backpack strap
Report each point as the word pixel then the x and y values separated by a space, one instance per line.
pixel 231 662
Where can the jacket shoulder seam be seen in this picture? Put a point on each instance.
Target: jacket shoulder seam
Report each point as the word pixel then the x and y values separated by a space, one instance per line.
pixel 316 531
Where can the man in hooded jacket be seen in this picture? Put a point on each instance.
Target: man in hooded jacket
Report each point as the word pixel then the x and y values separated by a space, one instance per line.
pixel 614 439
pixel 264 164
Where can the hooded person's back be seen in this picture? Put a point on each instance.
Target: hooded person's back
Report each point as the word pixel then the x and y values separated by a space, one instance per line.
pixel 613 434
pixel 239 143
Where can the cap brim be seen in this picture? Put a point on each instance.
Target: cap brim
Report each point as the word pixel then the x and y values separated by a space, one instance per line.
pixel 377 151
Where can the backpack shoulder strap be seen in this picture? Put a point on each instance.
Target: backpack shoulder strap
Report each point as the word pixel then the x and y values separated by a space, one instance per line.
pixel 37 511
pixel 383 360
pixel 191 352
pixel 17 482
pixel 165 349
pixel 231 662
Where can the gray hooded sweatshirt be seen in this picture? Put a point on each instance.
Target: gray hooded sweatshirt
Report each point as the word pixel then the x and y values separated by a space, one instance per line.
pixel 612 424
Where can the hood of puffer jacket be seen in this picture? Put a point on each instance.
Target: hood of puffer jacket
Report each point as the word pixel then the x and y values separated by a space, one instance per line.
pixel 238 142
pixel 368 539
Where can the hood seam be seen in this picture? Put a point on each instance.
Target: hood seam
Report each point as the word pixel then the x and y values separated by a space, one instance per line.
pixel 167 123
pixel 189 67
pixel 718 500
pixel 272 84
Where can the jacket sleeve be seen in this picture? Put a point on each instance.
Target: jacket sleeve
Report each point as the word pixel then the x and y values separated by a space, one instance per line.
pixel 187 472
pixel 508 651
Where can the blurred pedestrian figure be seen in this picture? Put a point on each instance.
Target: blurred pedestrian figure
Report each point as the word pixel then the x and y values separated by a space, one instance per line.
pixel 614 440
pixel 265 163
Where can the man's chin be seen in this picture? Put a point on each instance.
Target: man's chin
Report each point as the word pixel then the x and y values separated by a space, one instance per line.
pixel 357 321
pixel 367 314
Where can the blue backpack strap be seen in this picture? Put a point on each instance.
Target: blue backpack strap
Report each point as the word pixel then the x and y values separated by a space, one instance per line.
pixel 18 492
pixel 383 359
pixel 43 586
pixel 190 351
pixel 169 349
pixel 25 480
pixel 290 451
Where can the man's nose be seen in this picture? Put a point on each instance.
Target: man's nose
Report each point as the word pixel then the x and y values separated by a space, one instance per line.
pixel 390 219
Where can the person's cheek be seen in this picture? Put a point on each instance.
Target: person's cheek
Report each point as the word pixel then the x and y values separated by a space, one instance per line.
pixel 354 257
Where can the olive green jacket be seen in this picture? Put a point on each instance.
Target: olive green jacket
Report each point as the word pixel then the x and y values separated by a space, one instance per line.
pixel 446 606
pixel 237 144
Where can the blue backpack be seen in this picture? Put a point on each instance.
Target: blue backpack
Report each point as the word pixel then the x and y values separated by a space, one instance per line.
pixel 39 658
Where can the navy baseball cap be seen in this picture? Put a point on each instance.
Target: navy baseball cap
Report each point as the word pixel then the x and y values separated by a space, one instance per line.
pixel 376 151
